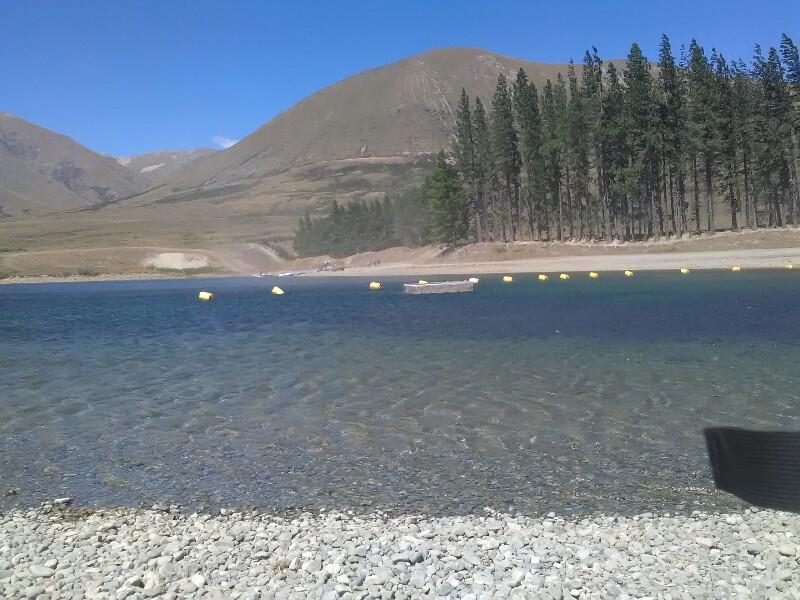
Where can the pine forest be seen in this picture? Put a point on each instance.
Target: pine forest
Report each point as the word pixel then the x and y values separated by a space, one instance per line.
pixel 686 145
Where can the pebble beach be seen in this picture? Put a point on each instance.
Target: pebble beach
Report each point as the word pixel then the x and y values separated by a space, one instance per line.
pixel 55 552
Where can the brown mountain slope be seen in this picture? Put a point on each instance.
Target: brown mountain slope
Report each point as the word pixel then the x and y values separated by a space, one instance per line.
pixel 369 133
pixel 42 171
pixel 372 133
pixel 157 166
pixel 25 191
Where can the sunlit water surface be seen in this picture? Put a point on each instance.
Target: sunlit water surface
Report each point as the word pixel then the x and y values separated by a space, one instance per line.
pixel 576 395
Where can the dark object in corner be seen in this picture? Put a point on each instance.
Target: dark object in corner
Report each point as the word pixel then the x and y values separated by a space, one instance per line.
pixel 760 467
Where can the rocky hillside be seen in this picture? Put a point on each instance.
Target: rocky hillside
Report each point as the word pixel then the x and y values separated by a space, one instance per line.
pixel 42 172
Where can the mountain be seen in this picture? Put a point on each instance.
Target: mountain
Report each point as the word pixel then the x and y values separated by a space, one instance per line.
pixel 368 134
pixel 373 133
pixel 42 171
pixel 156 166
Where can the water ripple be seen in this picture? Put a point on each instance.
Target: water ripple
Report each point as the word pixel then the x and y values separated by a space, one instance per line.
pixel 578 397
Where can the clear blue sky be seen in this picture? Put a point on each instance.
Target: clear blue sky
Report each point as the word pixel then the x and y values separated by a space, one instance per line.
pixel 132 76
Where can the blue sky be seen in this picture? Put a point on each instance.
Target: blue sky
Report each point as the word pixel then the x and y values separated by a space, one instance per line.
pixel 126 77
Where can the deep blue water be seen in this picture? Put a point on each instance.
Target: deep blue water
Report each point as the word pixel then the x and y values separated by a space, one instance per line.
pixel 566 395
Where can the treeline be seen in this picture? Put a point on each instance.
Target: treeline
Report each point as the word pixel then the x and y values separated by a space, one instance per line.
pixel 607 155
pixel 361 226
pixel 626 155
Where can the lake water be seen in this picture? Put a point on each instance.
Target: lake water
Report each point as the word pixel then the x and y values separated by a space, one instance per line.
pixel 576 395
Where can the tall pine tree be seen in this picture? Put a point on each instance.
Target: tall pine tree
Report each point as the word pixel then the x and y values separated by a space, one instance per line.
pixel 791 61
pixel 528 117
pixel 449 209
pixel 506 152
pixel 464 151
pixel 641 116
pixel 552 154
pixel 483 163
pixel 615 152
pixel 673 135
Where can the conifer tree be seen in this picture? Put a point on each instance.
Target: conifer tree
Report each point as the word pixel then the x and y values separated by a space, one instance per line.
pixel 506 151
pixel 702 127
pixel 578 152
pixel 743 132
pixel 483 161
pixel 673 134
pixel 772 131
pixel 449 209
pixel 615 153
pixel 560 119
pixel 552 154
pixel 593 92
pixel 725 120
pixel 640 109
pixel 791 61
pixel 528 117
pixel 464 150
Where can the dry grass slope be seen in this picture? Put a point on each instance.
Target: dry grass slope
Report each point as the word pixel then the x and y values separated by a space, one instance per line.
pixel 364 136
pixel 43 172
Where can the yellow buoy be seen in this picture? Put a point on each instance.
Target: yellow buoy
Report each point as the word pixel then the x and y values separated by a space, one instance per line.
pixel 422 282
pixel 593 275
pixel 474 280
pixel 543 278
pixel 508 279
pixel 374 285
pixel 205 296
pixel 684 271
pixel 563 276
pixel 790 266
pixel 277 291
pixel 736 269
pixel 628 273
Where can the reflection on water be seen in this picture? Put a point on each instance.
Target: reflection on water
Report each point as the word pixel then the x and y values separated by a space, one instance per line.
pixel 576 395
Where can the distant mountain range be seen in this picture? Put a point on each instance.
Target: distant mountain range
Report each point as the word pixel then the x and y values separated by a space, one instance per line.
pixel 44 172
pixel 366 135
pixel 157 166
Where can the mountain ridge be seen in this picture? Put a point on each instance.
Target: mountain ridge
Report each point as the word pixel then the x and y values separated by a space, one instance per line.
pixel 157 165
pixel 44 171
pixel 369 134
pixel 401 112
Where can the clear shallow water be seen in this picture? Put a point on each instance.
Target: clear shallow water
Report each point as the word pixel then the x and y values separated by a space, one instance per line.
pixel 570 396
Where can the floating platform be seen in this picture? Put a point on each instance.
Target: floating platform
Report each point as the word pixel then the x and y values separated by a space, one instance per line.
pixel 440 287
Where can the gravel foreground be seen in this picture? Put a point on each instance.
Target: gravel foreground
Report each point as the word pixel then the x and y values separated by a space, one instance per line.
pixel 57 552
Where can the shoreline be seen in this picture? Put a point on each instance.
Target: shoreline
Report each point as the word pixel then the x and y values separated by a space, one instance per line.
pixel 134 276
pixel 56 552
pixel 699 261
pixel 757 258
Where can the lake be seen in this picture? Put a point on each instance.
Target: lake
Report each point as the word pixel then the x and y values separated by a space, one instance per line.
pixel 574 396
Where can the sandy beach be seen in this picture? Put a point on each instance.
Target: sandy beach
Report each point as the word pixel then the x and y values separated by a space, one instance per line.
pixel 725 259
pixel 762 249
pixel 702 260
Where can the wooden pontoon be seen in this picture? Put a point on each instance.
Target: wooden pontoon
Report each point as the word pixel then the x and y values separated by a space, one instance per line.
pixel 440 287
